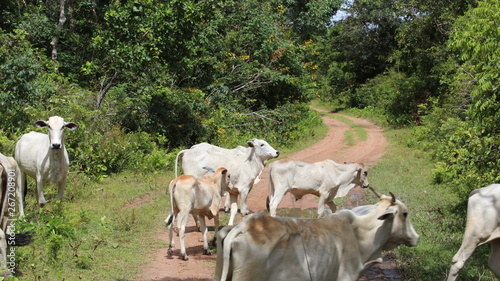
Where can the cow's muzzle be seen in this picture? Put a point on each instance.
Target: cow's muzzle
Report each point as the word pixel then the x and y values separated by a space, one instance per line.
pixel 56 146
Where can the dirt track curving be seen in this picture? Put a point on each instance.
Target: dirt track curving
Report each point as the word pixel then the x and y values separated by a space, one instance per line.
pixel 201 268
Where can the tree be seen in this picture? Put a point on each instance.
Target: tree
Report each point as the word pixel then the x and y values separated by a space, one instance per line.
pixel 470 157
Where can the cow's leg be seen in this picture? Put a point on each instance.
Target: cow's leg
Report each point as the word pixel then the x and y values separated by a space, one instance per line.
pixel 182 219
pixel 243 201
pixel 204 231
pixel 39 191
pixel 494 261
pixel 61 188
pixel 468 246
pixel 216 229
pixel 227 203
pixel 276 199
pixel 321 205
pixel 234 207
pixel 331 204
pixel 170 227
pixel 3 250
pixel 21 190
pixel 197 221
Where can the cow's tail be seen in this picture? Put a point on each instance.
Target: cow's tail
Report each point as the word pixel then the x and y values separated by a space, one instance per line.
pixel 171 217
pixel 177 160
pixel 226 253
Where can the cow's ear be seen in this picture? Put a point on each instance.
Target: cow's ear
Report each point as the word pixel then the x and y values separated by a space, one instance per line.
pixel 224 171
pixel 389 213
pixel 70 125
pixel 250 143
pixel 41 124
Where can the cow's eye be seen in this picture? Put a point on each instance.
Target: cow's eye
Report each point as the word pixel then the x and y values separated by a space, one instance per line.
pixel 261 145
pixel 405 214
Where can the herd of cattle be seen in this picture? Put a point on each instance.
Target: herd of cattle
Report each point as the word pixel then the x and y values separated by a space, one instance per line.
pixel 338 246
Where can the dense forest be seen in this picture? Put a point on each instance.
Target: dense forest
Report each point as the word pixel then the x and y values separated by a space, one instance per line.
pixel 144 78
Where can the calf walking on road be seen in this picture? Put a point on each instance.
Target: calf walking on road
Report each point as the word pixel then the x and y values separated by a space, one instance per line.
pixel 197 196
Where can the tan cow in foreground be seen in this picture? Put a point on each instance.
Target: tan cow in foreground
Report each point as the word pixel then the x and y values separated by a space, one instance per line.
pixel 335 247
pixel 483 226
pixel 325 179
pixel 202 197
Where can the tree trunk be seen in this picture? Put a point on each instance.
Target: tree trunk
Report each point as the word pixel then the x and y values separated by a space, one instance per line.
pixel 55 40
pixel 104 89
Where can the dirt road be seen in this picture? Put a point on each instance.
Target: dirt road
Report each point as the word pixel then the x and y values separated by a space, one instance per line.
pixel 201 268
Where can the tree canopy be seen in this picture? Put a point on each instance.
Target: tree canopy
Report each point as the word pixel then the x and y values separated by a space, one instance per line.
pixel 167 74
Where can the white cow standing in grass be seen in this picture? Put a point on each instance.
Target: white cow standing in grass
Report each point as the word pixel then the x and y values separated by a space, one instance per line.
pixel 43 157
pixel 201 197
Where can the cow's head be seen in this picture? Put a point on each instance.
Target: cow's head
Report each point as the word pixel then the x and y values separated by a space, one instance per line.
pixel 361 176
pixel 262 149
pixel 396 214
pixel 225 179
pixel 56 126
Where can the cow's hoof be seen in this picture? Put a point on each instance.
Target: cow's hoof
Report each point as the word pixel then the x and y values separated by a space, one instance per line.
pixel 207 252
pixel 170 251
pixel 185 258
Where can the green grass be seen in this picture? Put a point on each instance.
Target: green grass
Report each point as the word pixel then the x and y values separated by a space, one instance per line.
pixel 354 135
pixel 95 234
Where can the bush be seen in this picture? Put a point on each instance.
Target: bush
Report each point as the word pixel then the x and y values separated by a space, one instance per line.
pixel 281 127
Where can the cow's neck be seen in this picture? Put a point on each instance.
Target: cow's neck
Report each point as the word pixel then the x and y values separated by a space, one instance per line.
pixel 57 159
pixel 371 244
pixel 217 182
pixel 257 164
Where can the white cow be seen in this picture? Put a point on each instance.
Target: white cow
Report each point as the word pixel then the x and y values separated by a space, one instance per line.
pixel 335 247
pixel 483 226
pixel 43 157
pixel 244 163
pixel 8 182
pixel 325 179
pixel 9 177
pixel 189 195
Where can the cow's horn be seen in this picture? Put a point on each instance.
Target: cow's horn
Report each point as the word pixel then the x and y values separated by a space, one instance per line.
pixel 376 192
pixel 393 197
